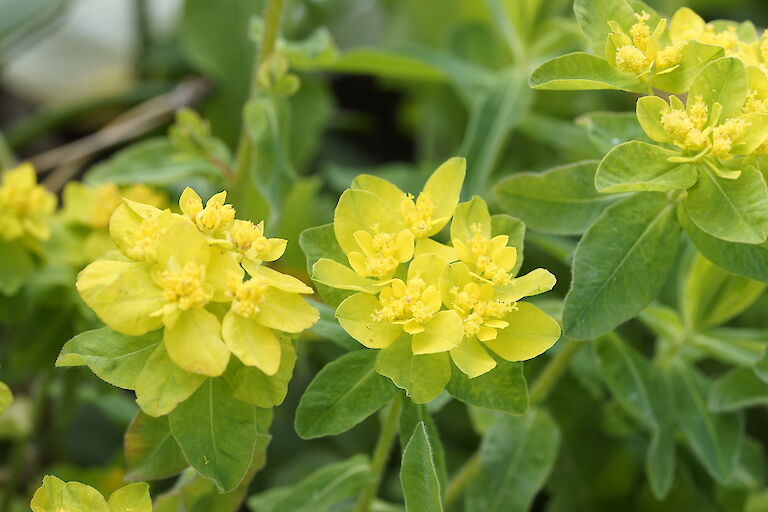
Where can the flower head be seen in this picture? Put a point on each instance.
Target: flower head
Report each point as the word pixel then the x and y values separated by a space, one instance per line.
pixel 446 302
pixel 376 223
pixel 643 51
pixel 184 274
pixel 25 206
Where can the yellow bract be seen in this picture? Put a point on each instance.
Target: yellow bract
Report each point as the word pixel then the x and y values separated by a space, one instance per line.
pixel 701 130
pixel 25 206
pixel 460 298
pixel 58 496
pixel 377 224
pixel 178 272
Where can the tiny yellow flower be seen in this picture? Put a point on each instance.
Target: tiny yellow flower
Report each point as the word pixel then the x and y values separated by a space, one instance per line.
pixel 643 52
pixel 493 318
pixel 144 194
pixel 376 223
pixel 413 307
pixel 177 271
pixel 249 242
pixel 215 220
pixel 25 206
pixel 90 205
pixel 686 25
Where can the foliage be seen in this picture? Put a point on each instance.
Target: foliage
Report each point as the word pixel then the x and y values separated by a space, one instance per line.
pixel 524 245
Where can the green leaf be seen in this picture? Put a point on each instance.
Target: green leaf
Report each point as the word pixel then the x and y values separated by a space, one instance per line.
pixel 152 162
pixel 413 415
pixel 696 56
pixel 738 389
pixel 419 475
pixel 253 386
pixel 341 395
pixel 711 296
pixel 516 457
pixel 739 346
pixel 609 129
pixel 566 138
pixel 583 72
pixel 660 461
pixel 732 210
pixel 642 390
pixel 723 81
pixel 320 242
pixel 319 491
pixel 151 452
pixel 6 397
pixel 411 62
pixel 750 260
pixel 216 42
pixel 162 385
pixel 502 389
pixel 761 367
pixel 635 237
pixel 113 357
pixel 131 498
pixel 218 433
pixel 640 167
pixel 715 439
pixel 562 200
pixel 16 265
pixel 328 327
pixel 423 377
pixel 633 381
pixel 492 117
pixel 593 17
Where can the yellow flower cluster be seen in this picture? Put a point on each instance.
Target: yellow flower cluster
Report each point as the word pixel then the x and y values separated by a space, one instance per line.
pixel 704 131
pixel 737 40
pixel 93 205
pixel 692 129
pixel 445 298
pixel 25 206
pixel 88 208
pixel 642 50
pixel 199 276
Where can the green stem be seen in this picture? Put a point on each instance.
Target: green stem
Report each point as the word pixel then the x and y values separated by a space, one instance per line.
pixel 143 30
pixel 460 480
pixel 381 453
pixel 546 380
pixel 20 449
pixel 551 373
pixel 266 47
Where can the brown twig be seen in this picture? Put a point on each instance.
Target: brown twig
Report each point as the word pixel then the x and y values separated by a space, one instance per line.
pixel 132 123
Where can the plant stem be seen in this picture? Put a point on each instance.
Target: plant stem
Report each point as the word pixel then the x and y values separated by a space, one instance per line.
pixel 143 31
pixel 546 380
pixel 551 373
pixel 381 453
pixel 272 18
pixel 20 449
pixel 460 480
